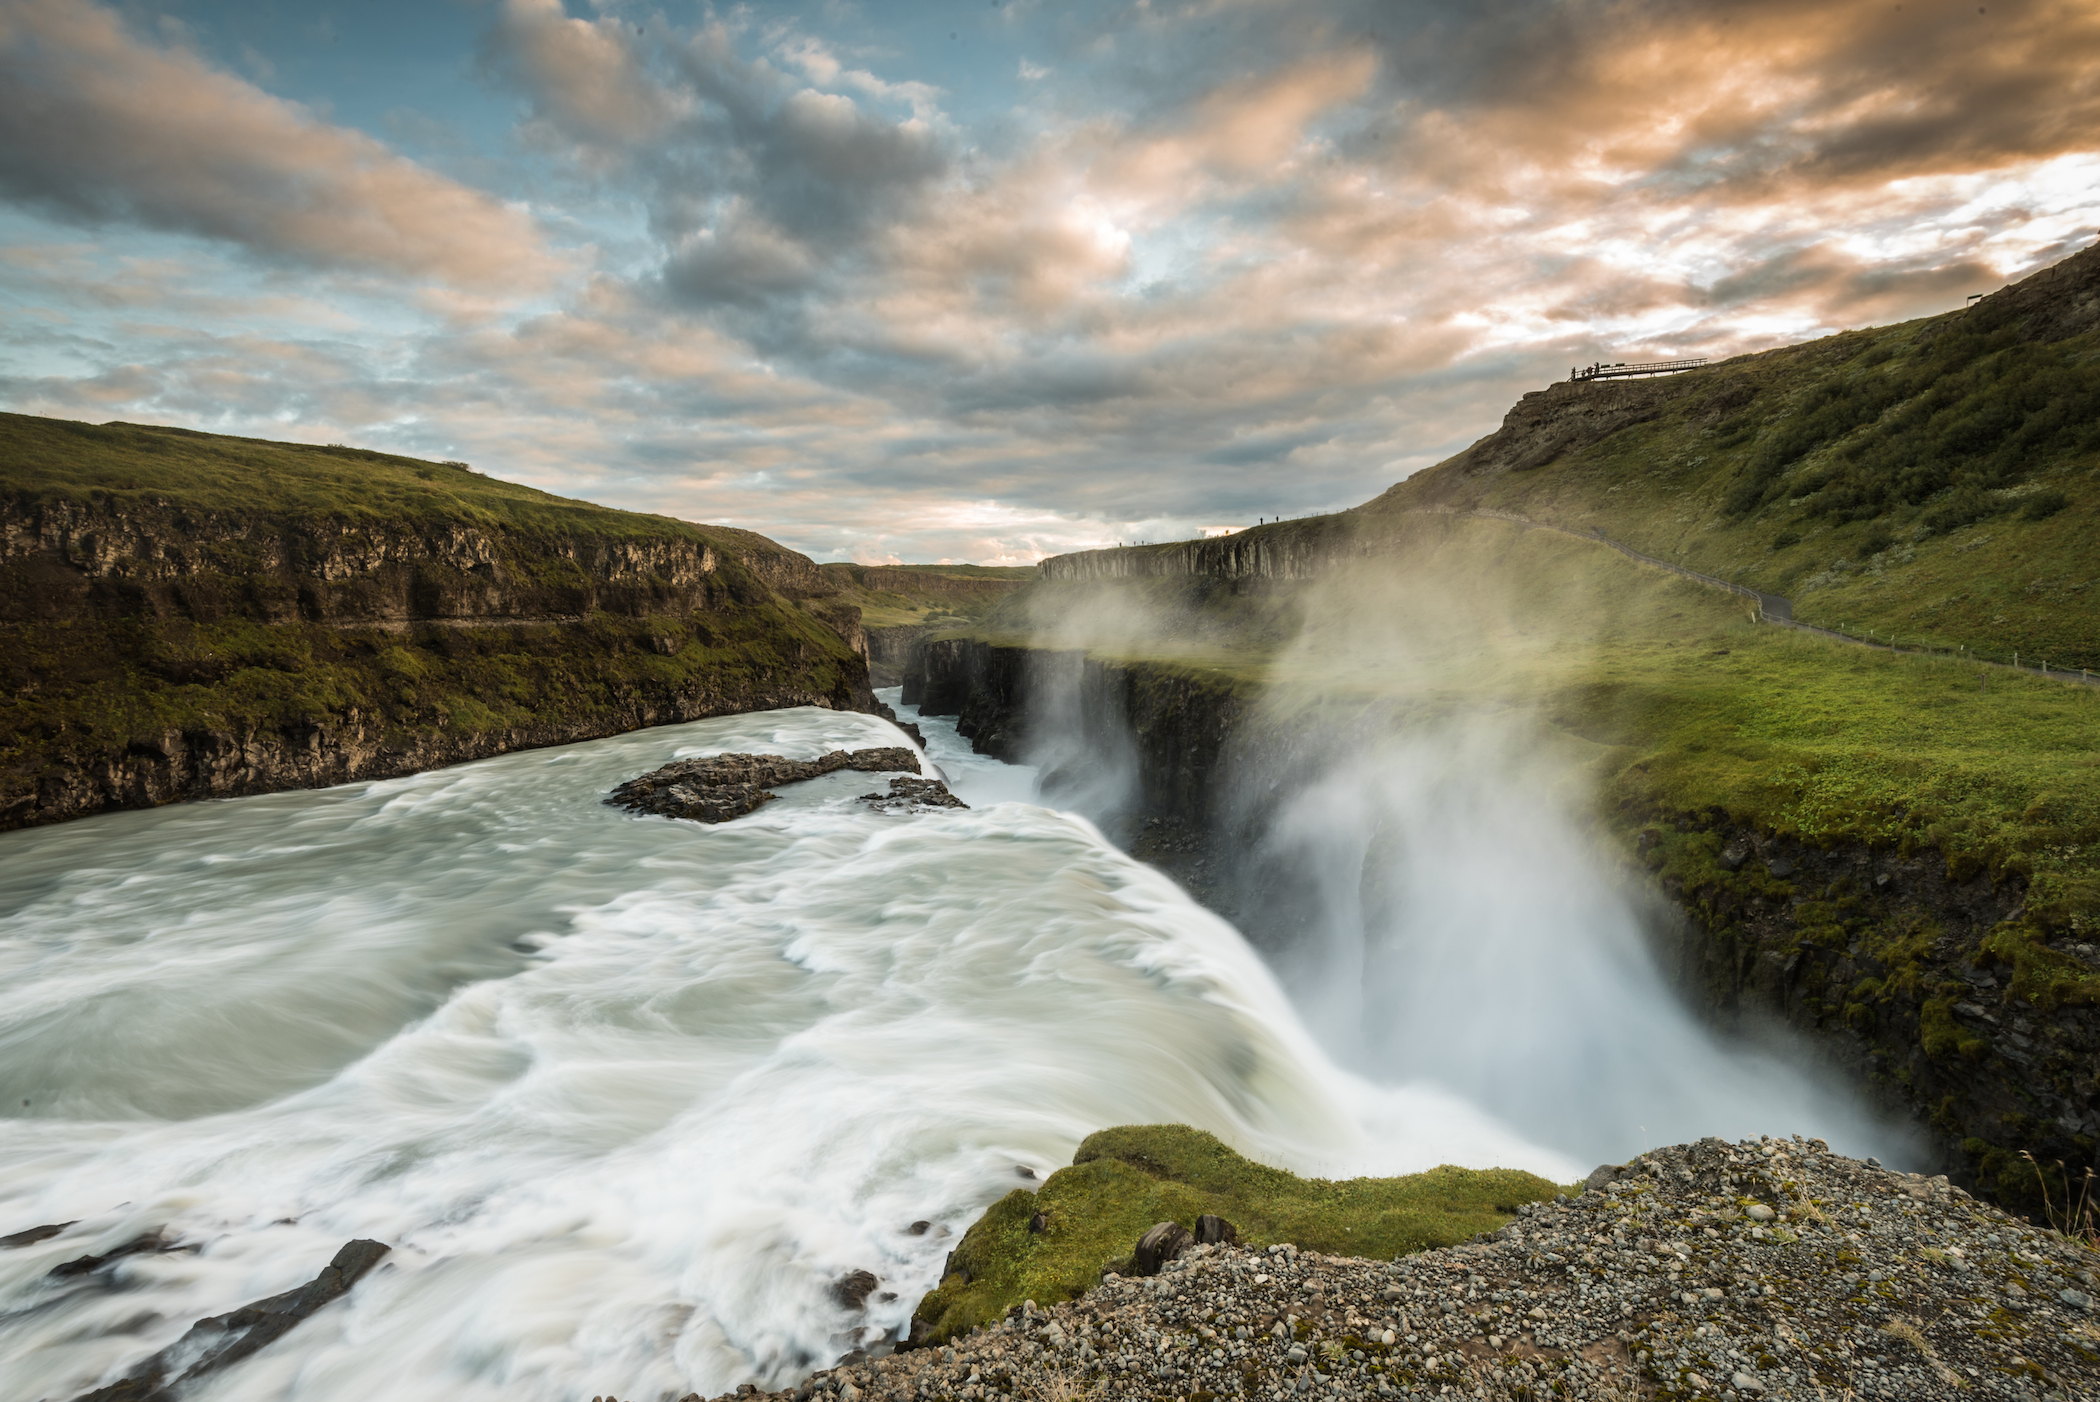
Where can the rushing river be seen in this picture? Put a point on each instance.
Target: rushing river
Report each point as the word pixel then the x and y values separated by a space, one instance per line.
pixel 626 1095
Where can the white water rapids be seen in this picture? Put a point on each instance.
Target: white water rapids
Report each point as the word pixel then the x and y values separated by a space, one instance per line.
pixel 625 1094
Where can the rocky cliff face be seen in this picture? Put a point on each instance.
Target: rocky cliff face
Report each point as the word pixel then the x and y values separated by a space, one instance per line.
pixel 157 651
pixel 1886 961
pixel 1872 956
pixel 888 649
pixel 1286 550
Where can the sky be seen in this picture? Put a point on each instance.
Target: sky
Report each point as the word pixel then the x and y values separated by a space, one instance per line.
pixel 988 282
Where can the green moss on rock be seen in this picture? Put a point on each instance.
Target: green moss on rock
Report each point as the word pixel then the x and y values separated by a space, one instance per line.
pixel 1124 1180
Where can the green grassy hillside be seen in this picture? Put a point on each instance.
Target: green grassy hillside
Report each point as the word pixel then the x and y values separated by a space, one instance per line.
pixel 1937 480
pixel 897 596
pixel 214 472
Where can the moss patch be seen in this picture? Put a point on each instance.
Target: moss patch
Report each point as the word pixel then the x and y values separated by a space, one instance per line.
pixel 1124 1180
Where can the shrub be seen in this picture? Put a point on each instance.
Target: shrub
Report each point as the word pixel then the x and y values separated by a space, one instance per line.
pixel 2044 504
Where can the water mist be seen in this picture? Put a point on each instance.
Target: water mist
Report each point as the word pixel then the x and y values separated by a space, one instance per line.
pixel 1465 928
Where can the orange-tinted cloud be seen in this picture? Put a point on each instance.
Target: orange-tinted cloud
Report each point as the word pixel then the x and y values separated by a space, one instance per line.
pixel 99 127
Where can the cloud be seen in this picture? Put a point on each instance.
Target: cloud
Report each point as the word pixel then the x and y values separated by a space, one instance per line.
pixel 98 127
pixel 585 77
pixel 1197 263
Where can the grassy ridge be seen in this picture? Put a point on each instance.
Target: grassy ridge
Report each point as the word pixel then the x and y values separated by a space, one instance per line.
pixel 1939 480
pixel 215 472
pixel 1122 1181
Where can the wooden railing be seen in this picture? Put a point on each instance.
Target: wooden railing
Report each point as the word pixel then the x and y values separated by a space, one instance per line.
pixel 1623 371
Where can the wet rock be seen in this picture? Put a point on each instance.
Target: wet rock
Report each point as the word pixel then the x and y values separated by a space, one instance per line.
pixel 1161 1244
pixel 222 1340
pixel 851 1290
pixel 145 1244
pixel 1212 1230
pixel 1733 856
pixel 32 1236
pixel 721 787
pixel 909 795
pixel 919 1228
pixel 1780 867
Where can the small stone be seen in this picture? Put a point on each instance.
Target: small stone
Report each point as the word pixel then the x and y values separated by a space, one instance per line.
pixel 1039 1223
pixel 1745 1382
pixel 2076 1299
pixel 1733 856
pixel 1758 1212
pixel 1780 867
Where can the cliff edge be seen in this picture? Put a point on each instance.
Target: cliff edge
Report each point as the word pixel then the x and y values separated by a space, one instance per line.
pixel 187 615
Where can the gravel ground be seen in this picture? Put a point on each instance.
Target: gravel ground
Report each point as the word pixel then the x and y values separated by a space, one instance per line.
pixel 1765 1269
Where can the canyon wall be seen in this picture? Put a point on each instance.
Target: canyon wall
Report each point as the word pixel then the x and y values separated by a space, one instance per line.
pixel 157 650
pixel 1285 550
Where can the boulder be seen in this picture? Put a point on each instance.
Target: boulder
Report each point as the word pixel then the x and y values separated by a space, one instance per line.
pixel 1211 1230
pixel 1161 1244
pixel 851 1290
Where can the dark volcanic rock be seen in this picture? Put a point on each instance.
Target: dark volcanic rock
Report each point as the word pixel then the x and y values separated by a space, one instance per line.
pixel 851 1290
pixel 225 1339
pixel 32 1236
pixel 909 795
pixel 721 787
pixel 80 1265
pixel 1161 1244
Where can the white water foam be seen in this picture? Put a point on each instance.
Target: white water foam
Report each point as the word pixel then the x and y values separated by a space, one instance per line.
pixel 624 1094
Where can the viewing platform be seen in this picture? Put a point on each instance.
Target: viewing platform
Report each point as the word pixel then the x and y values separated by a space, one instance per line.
pixel 1623 371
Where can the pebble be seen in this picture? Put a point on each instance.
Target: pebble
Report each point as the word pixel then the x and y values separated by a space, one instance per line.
pixel 1855 1282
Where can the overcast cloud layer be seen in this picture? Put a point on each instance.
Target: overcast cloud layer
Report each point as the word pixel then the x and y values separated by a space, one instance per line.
pixel 991 282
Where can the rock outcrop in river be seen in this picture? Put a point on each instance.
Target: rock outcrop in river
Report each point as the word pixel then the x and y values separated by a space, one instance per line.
pixel 721 787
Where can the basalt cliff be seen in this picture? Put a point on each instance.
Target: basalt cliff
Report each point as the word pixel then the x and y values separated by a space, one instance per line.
pixel 192 616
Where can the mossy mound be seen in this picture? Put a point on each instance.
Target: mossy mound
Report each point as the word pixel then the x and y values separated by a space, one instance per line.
pixel 1124 1180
